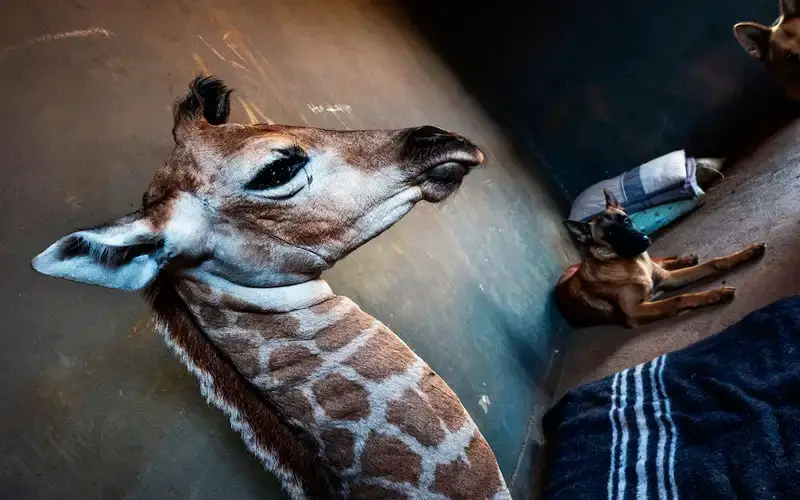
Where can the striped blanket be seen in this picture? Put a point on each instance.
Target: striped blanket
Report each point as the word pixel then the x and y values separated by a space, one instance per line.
pixel 717 420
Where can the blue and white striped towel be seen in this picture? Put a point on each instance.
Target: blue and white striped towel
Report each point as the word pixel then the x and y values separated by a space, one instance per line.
pixel 717 420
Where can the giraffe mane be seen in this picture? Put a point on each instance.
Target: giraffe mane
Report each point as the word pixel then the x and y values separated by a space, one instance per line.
pixel 283 449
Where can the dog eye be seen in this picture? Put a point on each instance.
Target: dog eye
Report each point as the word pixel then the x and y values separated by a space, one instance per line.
pixel 278 172
pixel 791 56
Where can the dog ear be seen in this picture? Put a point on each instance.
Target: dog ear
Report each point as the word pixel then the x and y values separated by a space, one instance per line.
pixel 611 199
pixel 789 8
pixel 754 38
pixel 581 231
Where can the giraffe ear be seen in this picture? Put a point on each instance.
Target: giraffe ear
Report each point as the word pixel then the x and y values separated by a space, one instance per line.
pixel 125 254
pixel 208 100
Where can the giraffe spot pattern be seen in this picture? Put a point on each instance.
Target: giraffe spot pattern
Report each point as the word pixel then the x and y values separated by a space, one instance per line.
pixel 195 292
pixel 327 306
pixel 382 356
pixel 243 352
pixel 477 477
pixel 197 296
pixel 443 400
pixel 291 364
pixel 415 417
pixel 363 491
pixel 388 457
pixel 294 405
pixel 339 447
pixel 341 398
pixel 339 334
pixel 269 327
pixel 214 318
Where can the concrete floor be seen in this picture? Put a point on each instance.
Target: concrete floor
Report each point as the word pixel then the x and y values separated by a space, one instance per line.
pixel 758 201
pixel 94 406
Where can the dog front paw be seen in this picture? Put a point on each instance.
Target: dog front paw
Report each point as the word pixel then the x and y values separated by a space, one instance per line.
pixel 759 249
pixel 723 295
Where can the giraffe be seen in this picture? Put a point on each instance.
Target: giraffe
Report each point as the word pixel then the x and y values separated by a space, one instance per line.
pixel 229 246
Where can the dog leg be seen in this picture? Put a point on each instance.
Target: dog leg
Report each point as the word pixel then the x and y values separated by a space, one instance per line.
pixel 675 263
pixel 646 312
pixel 671 280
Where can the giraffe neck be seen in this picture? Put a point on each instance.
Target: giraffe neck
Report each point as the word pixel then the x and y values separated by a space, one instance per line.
pixel 381 419
pixel 213 291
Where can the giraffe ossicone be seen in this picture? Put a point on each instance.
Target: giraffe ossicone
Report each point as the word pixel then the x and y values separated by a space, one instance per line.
pixel 229 245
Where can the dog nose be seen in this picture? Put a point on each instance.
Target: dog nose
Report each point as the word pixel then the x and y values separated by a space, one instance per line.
pixel 428 135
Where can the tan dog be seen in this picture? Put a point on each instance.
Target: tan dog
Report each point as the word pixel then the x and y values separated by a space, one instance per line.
pixel 617 277
pixel 777 46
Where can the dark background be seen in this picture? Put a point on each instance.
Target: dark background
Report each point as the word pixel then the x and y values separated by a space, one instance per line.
pixel 587 90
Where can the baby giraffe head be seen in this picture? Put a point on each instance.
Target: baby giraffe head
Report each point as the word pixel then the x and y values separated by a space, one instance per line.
pixel 261 205
pixel 610 234
pixel 776 46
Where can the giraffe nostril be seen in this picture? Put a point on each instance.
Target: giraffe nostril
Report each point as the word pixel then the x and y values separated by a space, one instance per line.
pixel 428 134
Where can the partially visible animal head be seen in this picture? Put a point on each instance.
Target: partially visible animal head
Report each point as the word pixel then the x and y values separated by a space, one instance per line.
pixel 262 205
pixel 611 232
pixel 776 46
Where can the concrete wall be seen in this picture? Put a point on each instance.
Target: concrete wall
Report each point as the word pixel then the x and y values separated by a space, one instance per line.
pixel 587 90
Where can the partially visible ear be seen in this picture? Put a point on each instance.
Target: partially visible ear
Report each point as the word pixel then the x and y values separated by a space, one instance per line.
pixel 582 231
pixel 611 199
pixel 789 8
pixel 125 254
pixel 754 38
pixel 209 100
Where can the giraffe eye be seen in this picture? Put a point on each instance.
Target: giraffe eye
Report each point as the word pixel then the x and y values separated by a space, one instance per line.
pixel 278 172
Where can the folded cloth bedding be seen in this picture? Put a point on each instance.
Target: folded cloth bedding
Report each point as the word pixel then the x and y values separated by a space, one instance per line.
pixel 657 183
pixel 717 420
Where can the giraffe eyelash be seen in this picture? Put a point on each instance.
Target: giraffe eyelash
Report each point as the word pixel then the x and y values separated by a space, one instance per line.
pixel 278 172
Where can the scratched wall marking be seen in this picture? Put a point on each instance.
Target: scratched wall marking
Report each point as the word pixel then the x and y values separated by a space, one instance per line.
pixel 253 71
pixel 201 64
pixel 53 37
pixel 330 108
pixel 248 110
pixel 484 403
pixel 336 110
pixel 264 118
pixel 235 64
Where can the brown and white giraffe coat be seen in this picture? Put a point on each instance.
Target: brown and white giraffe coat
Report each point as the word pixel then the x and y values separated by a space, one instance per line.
pixel 383 420
pixel 229 244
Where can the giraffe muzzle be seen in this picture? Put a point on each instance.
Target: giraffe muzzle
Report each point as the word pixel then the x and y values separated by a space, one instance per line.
pixel 428 135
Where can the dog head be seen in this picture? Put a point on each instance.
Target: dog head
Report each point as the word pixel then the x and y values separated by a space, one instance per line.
pixel 611 233
pixel 776 46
